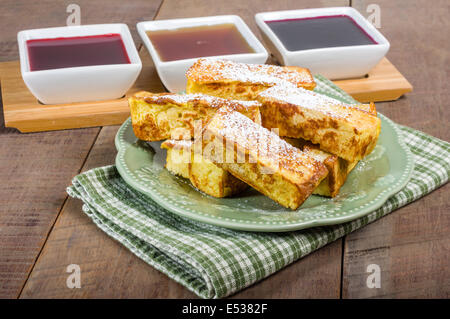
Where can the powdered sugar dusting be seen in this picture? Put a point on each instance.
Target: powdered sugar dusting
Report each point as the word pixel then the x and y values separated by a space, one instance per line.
pixel 310 100
pixel 240 130
pixel 208 70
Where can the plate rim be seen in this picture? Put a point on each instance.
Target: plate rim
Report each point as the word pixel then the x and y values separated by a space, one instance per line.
pixel 362 210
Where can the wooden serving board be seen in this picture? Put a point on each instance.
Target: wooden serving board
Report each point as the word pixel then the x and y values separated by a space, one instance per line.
pixel 24 112
pixel 383 83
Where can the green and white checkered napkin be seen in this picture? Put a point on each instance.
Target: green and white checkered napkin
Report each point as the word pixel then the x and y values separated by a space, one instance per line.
pixel 215 262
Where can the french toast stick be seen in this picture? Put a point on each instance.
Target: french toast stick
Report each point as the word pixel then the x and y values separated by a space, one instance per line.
pixel 203 174
pixel 338 168
pixel 345 130
pixel 242 81
pixel 163 116
pixel 261 158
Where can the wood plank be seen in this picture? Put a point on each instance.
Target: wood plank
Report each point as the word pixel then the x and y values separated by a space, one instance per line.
pixel 171 9
pixel 317 275
pixel 129 277
pixel 108 270
pixel 411 245
pixel 24 112
pixel 36 168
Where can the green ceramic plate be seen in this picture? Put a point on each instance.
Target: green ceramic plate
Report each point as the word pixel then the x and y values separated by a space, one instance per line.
pixel 383 173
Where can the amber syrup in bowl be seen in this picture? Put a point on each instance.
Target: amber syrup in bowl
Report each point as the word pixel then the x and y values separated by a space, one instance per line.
pixel 200 41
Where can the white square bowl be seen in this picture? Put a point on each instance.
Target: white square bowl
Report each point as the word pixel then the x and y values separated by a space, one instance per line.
pixel 84 83
pixel 335 62
pixel 173 73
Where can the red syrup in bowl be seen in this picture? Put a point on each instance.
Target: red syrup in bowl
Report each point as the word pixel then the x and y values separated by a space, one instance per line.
pixel 68 52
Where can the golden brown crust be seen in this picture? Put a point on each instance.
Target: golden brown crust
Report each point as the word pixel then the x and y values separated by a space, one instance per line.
pixel 234 90
pixel 161 116
pixel 338 168
pixel 369 108
pixel 221 71
pixel 203 174
pixel 240 80
pixel 177 144
pixel 341 129
pixel 274 167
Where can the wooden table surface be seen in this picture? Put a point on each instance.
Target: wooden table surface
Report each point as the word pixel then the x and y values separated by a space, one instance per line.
pixel 42 231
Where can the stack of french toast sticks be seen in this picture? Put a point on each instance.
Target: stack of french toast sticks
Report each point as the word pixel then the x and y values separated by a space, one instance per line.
pixel 259 125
